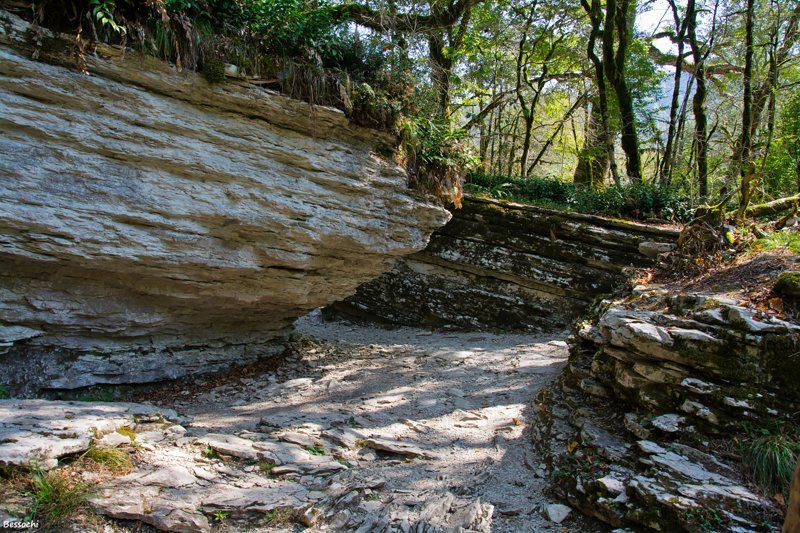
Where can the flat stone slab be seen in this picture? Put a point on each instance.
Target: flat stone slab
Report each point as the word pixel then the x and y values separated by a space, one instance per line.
pixel 283 454
pixel 41 431
pixel 164 509
pixel 261 499
pixel 399 448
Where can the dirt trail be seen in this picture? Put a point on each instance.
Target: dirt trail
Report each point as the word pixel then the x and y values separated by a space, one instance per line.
pixel 381 430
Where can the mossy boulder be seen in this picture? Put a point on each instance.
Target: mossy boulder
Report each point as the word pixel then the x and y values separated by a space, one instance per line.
pixel 788 285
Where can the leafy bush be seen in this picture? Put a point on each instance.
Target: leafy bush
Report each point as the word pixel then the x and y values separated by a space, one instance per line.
pixel 435 157
pixel 638 201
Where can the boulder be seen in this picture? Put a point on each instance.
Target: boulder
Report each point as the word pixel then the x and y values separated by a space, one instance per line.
pixel 153 225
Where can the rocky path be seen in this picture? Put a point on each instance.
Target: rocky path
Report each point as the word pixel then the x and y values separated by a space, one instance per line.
pixel 362 429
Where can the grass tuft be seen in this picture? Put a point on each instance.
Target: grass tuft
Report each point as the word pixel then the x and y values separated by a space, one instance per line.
pixel 127 432
pixel 115 460
pixel 280 517
pixel 266 466
pixel 56 496
pixel 772 460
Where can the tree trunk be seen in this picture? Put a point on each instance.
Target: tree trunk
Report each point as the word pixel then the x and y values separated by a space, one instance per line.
pixel 605 133
pixel 593 160
pixel 441 67
pixel 792 523
pixel 618 21
pixel 665 171
pixel 698 102
pixel 746 169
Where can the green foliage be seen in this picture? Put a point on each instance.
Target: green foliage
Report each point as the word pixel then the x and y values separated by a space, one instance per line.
pixel 266 466
pixel 772 459
pixel 114 459
pixel 214 71
pixel 782 165
pixel 288 26
pixel 779 240
pixel 99 395
pixel 637 201
pixel 315 450
pixel 436 157
pixel 128 432
pixel 56 496
pixel 3 392
pixel 219 516
pixel 209 452
pixel 706 519
pixel 278 517
pixel 103 12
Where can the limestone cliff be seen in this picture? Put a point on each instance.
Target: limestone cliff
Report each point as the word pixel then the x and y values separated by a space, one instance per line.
pixel 153 225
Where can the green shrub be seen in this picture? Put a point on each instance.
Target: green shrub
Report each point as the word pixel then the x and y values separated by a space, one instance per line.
pixel 99 395
pixel 214 71
pixel 315 450
pixel 638 201
pixel 772 460
pixel 435 156
pixel 266 466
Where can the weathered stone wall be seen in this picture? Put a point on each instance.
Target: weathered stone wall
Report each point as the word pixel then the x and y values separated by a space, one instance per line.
pixel 639 429
pixel 508 266
pixel 152 225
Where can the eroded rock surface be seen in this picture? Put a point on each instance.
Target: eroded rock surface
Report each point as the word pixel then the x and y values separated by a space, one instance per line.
pixel 152 225
pixel 511 267
pixel 40 431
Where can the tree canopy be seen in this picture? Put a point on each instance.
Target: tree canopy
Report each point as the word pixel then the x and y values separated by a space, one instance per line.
pixel 696 97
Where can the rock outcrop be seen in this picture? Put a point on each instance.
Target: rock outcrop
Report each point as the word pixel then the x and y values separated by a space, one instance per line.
pixel 152 225
pixel 509 266
pixel 638 430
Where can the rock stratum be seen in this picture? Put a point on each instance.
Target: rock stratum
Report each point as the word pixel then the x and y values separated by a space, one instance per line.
pixel 153 225
pixel 507 266
pixel 658 391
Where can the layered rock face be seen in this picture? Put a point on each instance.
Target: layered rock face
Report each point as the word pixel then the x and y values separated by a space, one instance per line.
pixel 508 266
pixel 656 392
pixel 153 225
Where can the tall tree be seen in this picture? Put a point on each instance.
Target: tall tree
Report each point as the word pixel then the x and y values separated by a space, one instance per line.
pixel 597 156
pixel 665 172
pixel 700 93
pixel 746 166
pixel 616 39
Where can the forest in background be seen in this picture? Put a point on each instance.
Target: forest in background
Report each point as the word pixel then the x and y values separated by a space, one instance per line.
pixel 645 108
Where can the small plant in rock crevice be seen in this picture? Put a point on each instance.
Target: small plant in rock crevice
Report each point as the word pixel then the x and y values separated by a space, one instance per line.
pixel 315 450
pixel 772 459
pixel 115 460
pixel 56 496
pixel 266 466
pixel 281 516
pixel 209 453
